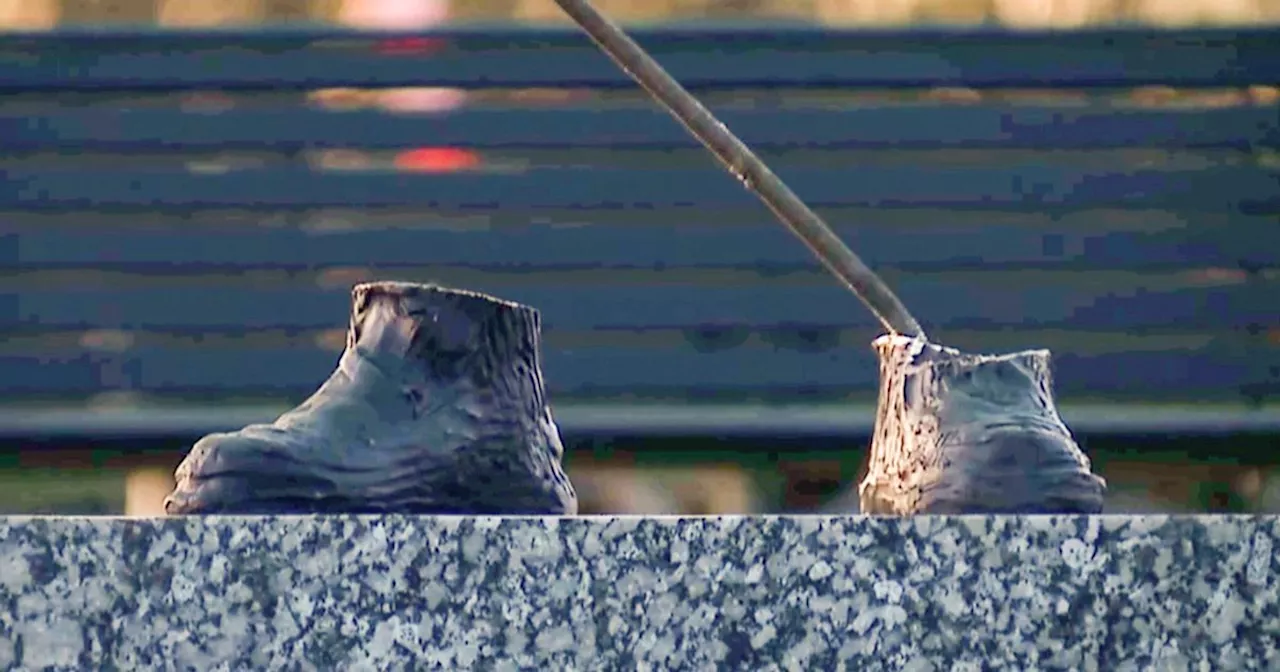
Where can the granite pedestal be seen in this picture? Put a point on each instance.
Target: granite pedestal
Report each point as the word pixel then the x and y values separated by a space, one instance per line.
pixel 1109 593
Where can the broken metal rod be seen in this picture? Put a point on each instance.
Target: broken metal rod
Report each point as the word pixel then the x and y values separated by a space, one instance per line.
pixel 740 161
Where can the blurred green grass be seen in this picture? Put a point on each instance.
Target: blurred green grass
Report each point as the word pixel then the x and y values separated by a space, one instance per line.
pixel 61 491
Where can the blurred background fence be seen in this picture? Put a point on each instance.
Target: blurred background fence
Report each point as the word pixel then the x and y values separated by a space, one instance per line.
pixel 181 217
pixel 39 14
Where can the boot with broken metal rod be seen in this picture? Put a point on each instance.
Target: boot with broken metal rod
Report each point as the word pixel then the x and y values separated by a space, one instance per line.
pixel 437 406
pixel 958 433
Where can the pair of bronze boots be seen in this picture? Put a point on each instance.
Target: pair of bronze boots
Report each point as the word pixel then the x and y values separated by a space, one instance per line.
pixel 438 406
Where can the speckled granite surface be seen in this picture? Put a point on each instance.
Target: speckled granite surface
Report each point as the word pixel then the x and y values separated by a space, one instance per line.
pixel 802 593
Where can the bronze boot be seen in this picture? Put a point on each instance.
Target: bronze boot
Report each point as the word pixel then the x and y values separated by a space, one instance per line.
pixel 958 433
pixel 437 406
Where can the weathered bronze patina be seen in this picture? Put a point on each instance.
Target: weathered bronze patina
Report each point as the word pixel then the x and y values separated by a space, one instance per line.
pixel 958 433
pixel 437 406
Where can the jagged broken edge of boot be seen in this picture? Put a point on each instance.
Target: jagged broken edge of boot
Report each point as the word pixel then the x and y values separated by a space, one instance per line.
pixel 959 433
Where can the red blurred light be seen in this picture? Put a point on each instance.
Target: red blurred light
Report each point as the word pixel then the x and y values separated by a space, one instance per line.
pixel 437 160
pixel 402 46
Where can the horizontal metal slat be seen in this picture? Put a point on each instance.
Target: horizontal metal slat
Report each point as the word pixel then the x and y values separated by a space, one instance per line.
pixel 1012 299
pixel 1029 186
pixel 886 126
pixel 1212 373
pixel 747 420
pixel 699 58
pixel 745 237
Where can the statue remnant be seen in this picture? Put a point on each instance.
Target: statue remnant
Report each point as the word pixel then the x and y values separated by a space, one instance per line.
pixel 437 406
pixel 958 433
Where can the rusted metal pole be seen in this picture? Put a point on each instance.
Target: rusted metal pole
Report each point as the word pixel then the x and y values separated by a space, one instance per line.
pixel 744 165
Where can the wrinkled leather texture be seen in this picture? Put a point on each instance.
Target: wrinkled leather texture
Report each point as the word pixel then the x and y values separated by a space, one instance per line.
pixel 959 434
pixel 437 406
